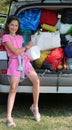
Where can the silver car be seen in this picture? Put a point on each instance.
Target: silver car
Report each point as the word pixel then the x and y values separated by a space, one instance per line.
pixel 51 81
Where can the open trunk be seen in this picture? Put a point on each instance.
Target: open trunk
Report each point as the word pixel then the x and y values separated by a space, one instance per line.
pixel 52 81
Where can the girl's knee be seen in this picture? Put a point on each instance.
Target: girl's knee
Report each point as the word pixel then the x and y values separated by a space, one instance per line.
pixel 13 88
pixel 36 81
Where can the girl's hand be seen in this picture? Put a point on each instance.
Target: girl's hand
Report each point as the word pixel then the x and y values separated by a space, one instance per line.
pixel 25 48
pixel 30 44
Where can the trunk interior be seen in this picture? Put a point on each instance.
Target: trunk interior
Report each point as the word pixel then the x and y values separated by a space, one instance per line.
pixel 48 75
pixel 59 10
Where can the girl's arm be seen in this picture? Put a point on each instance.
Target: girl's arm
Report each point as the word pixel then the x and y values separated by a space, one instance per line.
pixel 30 44
pixel 14 50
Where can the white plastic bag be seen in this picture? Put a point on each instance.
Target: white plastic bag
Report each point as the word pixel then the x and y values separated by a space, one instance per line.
pixel 33 53
pixel 65 28
pixel 47 40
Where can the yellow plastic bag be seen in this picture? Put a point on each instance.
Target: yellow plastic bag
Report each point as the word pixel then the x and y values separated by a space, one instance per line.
pixel 43 54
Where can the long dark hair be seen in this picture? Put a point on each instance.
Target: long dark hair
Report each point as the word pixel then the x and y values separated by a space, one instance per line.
pixel 9 20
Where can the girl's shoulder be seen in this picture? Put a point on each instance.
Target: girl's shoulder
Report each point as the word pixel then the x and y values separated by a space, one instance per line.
pixel 11 36
pixel 20 37
pixel 6 35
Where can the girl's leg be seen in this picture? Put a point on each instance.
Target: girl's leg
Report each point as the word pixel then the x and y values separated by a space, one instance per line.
pixel 32 75
pixel 11 97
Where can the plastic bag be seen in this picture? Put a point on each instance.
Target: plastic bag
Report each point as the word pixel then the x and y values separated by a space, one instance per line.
pixel 33 53
pixel 66 16
pixel 68 50
pixel 47 40
pixel 55 57
pixel 27 36
pixel 30 18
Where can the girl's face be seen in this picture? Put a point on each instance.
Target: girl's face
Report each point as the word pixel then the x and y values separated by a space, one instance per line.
pixel 13 27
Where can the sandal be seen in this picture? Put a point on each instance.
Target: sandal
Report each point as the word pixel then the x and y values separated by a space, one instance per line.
pixel 36 116
pixel 11 124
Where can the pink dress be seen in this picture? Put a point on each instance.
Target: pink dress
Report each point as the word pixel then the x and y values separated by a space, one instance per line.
pixel 17 42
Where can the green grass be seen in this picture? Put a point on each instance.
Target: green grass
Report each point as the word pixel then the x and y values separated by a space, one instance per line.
pixel 55 115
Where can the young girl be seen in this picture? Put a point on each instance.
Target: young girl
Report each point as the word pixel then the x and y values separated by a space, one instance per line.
pixel 12 40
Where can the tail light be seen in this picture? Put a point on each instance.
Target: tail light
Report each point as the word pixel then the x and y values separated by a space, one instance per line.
pixel 4 71
pixel 2 48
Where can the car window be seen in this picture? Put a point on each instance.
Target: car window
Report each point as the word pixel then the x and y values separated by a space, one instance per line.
pixel 2 21
pixel 3 18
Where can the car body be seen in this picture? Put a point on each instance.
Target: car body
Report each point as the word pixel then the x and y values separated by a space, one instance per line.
pixel 50 82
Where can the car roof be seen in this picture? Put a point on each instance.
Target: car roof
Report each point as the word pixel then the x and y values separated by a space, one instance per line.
pixel 45 1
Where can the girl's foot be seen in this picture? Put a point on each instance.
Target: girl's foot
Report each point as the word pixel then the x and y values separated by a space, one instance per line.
pixel 35 112
pixel 10 123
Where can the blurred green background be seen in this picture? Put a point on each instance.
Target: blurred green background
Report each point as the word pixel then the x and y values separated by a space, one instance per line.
pixel 4 6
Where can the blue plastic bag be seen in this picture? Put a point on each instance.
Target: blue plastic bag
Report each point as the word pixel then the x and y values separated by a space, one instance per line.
pixel 30 18
pixel 27 36
pixel 68 50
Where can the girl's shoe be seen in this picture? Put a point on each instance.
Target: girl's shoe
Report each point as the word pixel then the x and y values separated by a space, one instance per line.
pixel 11 123
pixel 36 116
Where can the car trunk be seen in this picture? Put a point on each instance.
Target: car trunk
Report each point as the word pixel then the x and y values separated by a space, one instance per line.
pixel 53 78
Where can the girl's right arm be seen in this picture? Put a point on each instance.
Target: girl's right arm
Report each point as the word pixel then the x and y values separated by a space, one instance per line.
pixel 13 49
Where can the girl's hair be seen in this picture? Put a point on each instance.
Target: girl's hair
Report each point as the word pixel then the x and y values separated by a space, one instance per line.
pixel 9 20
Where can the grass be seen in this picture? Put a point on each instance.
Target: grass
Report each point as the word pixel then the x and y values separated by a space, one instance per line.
pixel 56 114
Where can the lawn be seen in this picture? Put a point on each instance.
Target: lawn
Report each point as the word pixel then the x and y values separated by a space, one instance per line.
pixel 56 113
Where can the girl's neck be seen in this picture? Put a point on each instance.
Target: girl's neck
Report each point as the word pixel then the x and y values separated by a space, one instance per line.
pixel 12 34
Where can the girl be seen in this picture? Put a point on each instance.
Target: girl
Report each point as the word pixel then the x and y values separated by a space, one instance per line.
pixel 12 40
